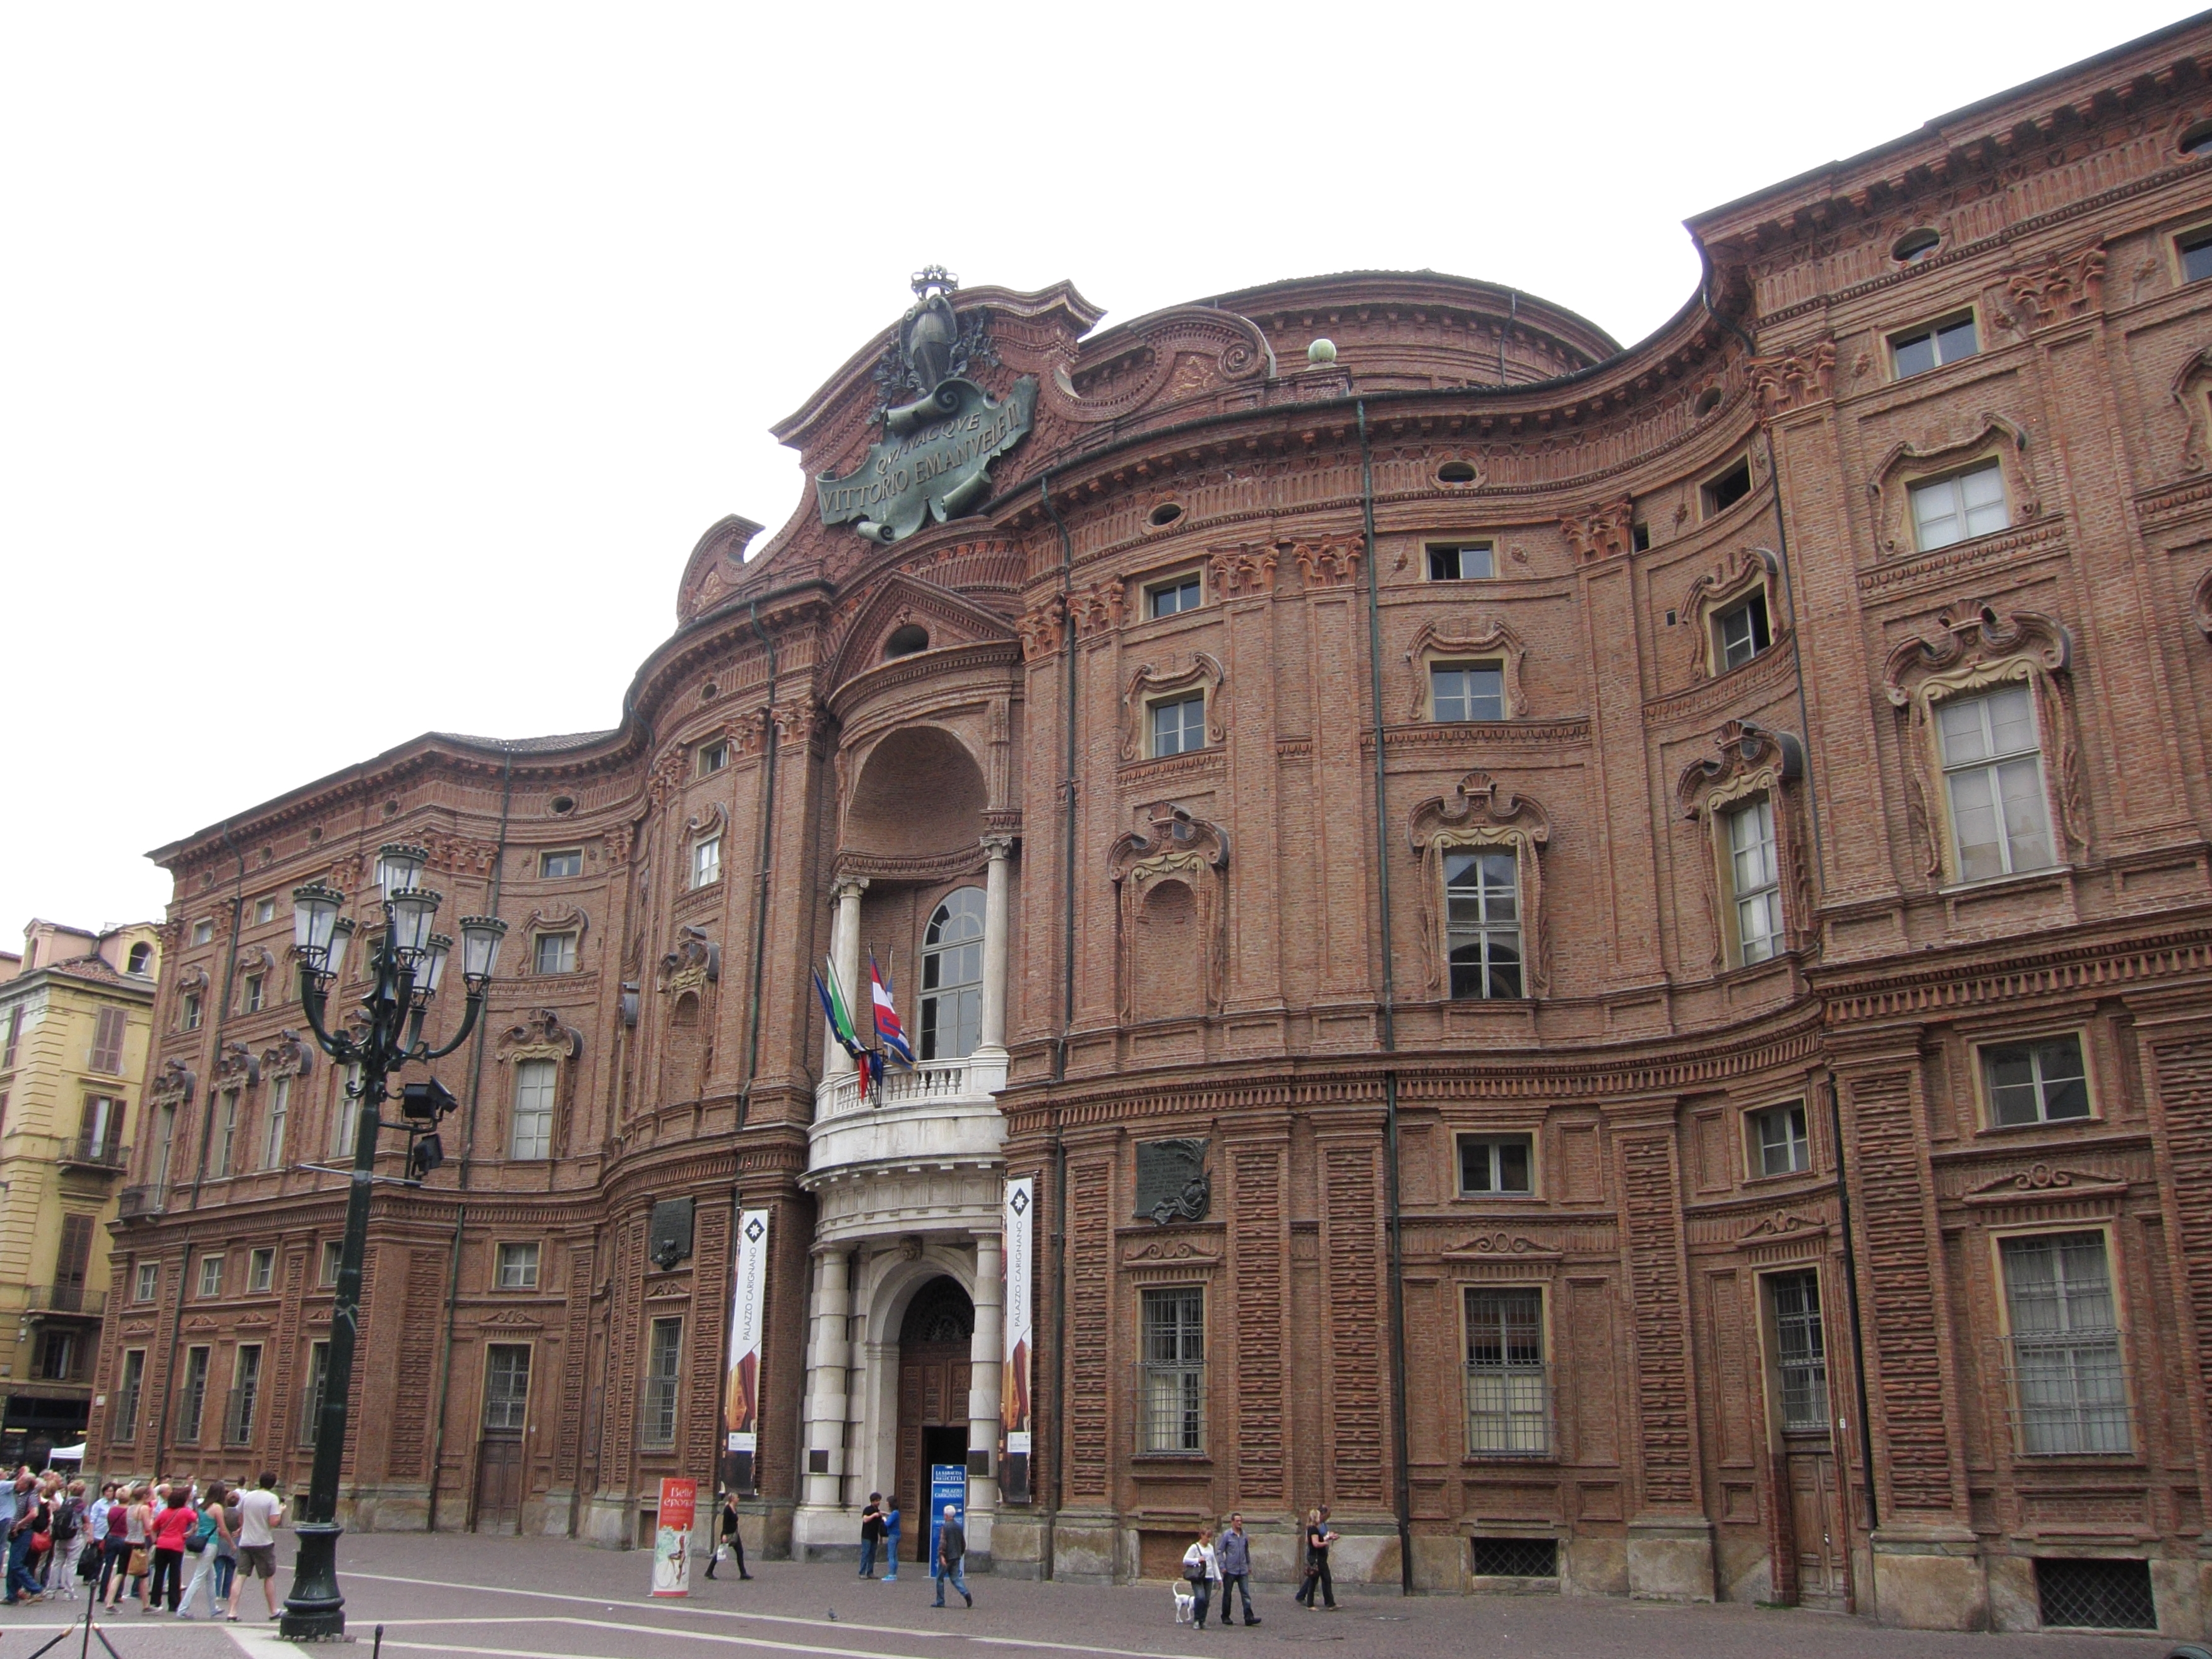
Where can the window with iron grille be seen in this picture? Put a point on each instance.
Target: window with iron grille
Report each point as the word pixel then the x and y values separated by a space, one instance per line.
pixel 1174 1370
pixel 2043 1081
pixel 1482 910
pixel 507 1386
pixel 130 1384
pixel 2069 1390
pixel 245 1395
pixel 1516 1558
pixel 192 1398
pixel 1801 1349
pixel 2096 1594
pixel 664 1356
pixel 1509 1386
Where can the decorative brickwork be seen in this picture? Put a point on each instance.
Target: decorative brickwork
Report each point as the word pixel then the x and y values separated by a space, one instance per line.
pixel 1090 1248
pixel 1350 1250
pixel 1262 1248
pixel 1667 1447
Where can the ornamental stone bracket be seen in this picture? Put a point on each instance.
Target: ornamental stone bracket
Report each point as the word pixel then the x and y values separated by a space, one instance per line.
pixel 236 1068
pixel 695 961
pixel 1794 378
pixel 173 1086
pixel 1601 531
pixel 540 1036
pixel 1333 562
pixel 290 1055
pixel 2063 286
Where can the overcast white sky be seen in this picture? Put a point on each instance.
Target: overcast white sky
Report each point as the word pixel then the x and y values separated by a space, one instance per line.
pixel 427 339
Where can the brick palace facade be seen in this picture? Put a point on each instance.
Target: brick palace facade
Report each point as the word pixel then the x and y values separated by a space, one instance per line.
pixel 1600 958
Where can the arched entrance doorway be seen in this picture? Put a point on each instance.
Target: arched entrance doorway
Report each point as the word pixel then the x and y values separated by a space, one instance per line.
pixel 934 1366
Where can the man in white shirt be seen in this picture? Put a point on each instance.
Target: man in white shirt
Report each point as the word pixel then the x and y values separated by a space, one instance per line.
pixel 261 1511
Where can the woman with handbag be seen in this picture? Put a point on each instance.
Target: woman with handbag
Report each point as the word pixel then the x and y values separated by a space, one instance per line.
pixel 204 1542
pixel 1202 1568
pixel 124 1571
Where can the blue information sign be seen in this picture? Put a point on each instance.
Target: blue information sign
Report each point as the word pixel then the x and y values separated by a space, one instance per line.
pixel 948 1484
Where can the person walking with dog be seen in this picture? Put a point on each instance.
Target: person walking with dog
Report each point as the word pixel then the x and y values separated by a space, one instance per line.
pixel 1233 1550
pixel 1201 1570
pixel 951 1547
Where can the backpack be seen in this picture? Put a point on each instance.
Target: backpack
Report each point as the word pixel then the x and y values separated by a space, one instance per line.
pixel 65 1522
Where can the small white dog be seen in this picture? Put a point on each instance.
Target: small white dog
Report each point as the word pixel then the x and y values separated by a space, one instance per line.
pixel 1184 1602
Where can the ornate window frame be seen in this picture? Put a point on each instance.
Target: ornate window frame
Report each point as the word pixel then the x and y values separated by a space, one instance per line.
pixel 1978 651
pixel 2189 395
pixel 1481 811
pixel 1752 764
pixel 1745 572
pixel 1148 685
pixel 565 919
pixel 1179 847
pixel 2200 605
pixel 1485 638
pixel 710 822
pixel 1904 464
pixel 541 1035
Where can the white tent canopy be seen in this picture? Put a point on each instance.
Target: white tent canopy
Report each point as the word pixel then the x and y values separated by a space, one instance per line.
pixel 67 1454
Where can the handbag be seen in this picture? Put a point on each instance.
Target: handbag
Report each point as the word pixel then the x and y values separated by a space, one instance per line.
pixel 41 1543
pixel 136 1568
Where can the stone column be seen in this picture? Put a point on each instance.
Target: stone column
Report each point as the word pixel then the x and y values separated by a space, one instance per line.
pixel 987 1367
pixel 989 1061
pixel 828 1362
pixel 845 951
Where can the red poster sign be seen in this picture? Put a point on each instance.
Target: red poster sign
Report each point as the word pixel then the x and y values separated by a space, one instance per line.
pixel 671 1542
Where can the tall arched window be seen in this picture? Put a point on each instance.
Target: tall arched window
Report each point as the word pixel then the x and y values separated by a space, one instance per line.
pixel 952 977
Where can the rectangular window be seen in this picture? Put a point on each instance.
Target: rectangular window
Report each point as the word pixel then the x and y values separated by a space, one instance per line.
pixel 713 757
pixel 333 1255
pixel 1489 1164
pixel 1993 775
pixel 245 1395
pixel 345 1112
pixel 1754 882
pixel 15 1036
pixel 192 1398
pixel 57 1357
pixel 146 1281
pixel 252 998
pixel 1509 1387
pixel 1467 691
pixel 1778 1143
pixel 204 932
pixel 2196 250
pixel 517 1267
pixel 1172 598
pixel 1725 491
pixel 260 1270
pixel 272 1137
pixel 1482 905
pixel 557 953
pixel 1742 633
pixel 310 1398
pixel 2069 1388
pixel 1174 1370
pixel 107 1042
pixel 130 1386
pixel 707 861
pixel 73 1261
pixel 210 1279
pixel 2041 1082
pixel 1179 727
pixel 99 1130
pixel 663 1362
pixel 1462 561
pixel 533 1108
pixel 165 1145
pixel 1957 508
pixel 192 1011
pixel 507 1386
pixel 555 866
pixel 1919 349
pixel 265 909
pixel 226 1133
pixel 1801 1350
pixel 1639 537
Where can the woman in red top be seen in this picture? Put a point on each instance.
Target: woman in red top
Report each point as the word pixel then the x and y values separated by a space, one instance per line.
pixel 170 1522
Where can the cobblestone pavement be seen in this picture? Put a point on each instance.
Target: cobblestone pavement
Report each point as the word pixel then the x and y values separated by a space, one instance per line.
pixel 552 1599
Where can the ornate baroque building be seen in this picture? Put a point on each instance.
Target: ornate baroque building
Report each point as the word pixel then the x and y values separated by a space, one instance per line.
pixel 1600 957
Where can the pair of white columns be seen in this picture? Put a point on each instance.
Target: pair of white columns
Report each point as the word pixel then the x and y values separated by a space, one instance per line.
pixel 830 1370
pixel 845 952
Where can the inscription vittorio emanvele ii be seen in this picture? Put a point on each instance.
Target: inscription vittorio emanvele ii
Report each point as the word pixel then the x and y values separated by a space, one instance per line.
pixel 935 460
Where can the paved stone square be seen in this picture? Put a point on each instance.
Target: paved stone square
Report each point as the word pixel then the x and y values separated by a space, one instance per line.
pixel 553 1599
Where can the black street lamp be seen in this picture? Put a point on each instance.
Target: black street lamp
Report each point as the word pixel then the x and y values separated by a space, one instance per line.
pixel 408 962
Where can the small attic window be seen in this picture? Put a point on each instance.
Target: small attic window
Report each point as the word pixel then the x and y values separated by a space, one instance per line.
pixel 562 805
pixel 1708 401
pixel 1456 472
pixel 2197 141
pixel 1915 245
pixel 1165 514
pixel 905 641
pixel 1732 486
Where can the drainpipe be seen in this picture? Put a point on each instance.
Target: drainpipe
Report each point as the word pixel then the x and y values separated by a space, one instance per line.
pixel 1060 1046
pixel 446 1364
pixel 222 1014
pixel 765 873
pixel 1858 1342
pixel 483 1026
pixel 1401 1490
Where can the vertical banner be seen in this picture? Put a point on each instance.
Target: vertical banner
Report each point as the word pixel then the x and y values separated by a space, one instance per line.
pixel 671 1537
pixel 1014 1410
pixel 741 1402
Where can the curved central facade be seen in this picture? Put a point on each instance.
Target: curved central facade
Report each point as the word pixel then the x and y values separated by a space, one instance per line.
pixel 1601 959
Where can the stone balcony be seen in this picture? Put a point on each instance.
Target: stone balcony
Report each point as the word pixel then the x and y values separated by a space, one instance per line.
pixel 923 1155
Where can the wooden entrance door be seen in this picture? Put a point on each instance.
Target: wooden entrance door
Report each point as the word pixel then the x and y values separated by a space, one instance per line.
pixel 1816 1521
pixel 935 1368
pixel 499 1483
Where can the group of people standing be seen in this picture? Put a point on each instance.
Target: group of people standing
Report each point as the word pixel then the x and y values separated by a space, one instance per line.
pixel 881 1525
pixel 133 1542
pixel 1225 1562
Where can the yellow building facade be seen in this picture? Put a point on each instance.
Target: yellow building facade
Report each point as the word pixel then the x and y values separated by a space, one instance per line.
pixel 76 1013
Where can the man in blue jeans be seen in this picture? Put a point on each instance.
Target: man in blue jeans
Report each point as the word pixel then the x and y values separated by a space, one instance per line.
pixel 1234 1551
pixel 871 1533
pixel 951 1546
pixel 21 1503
